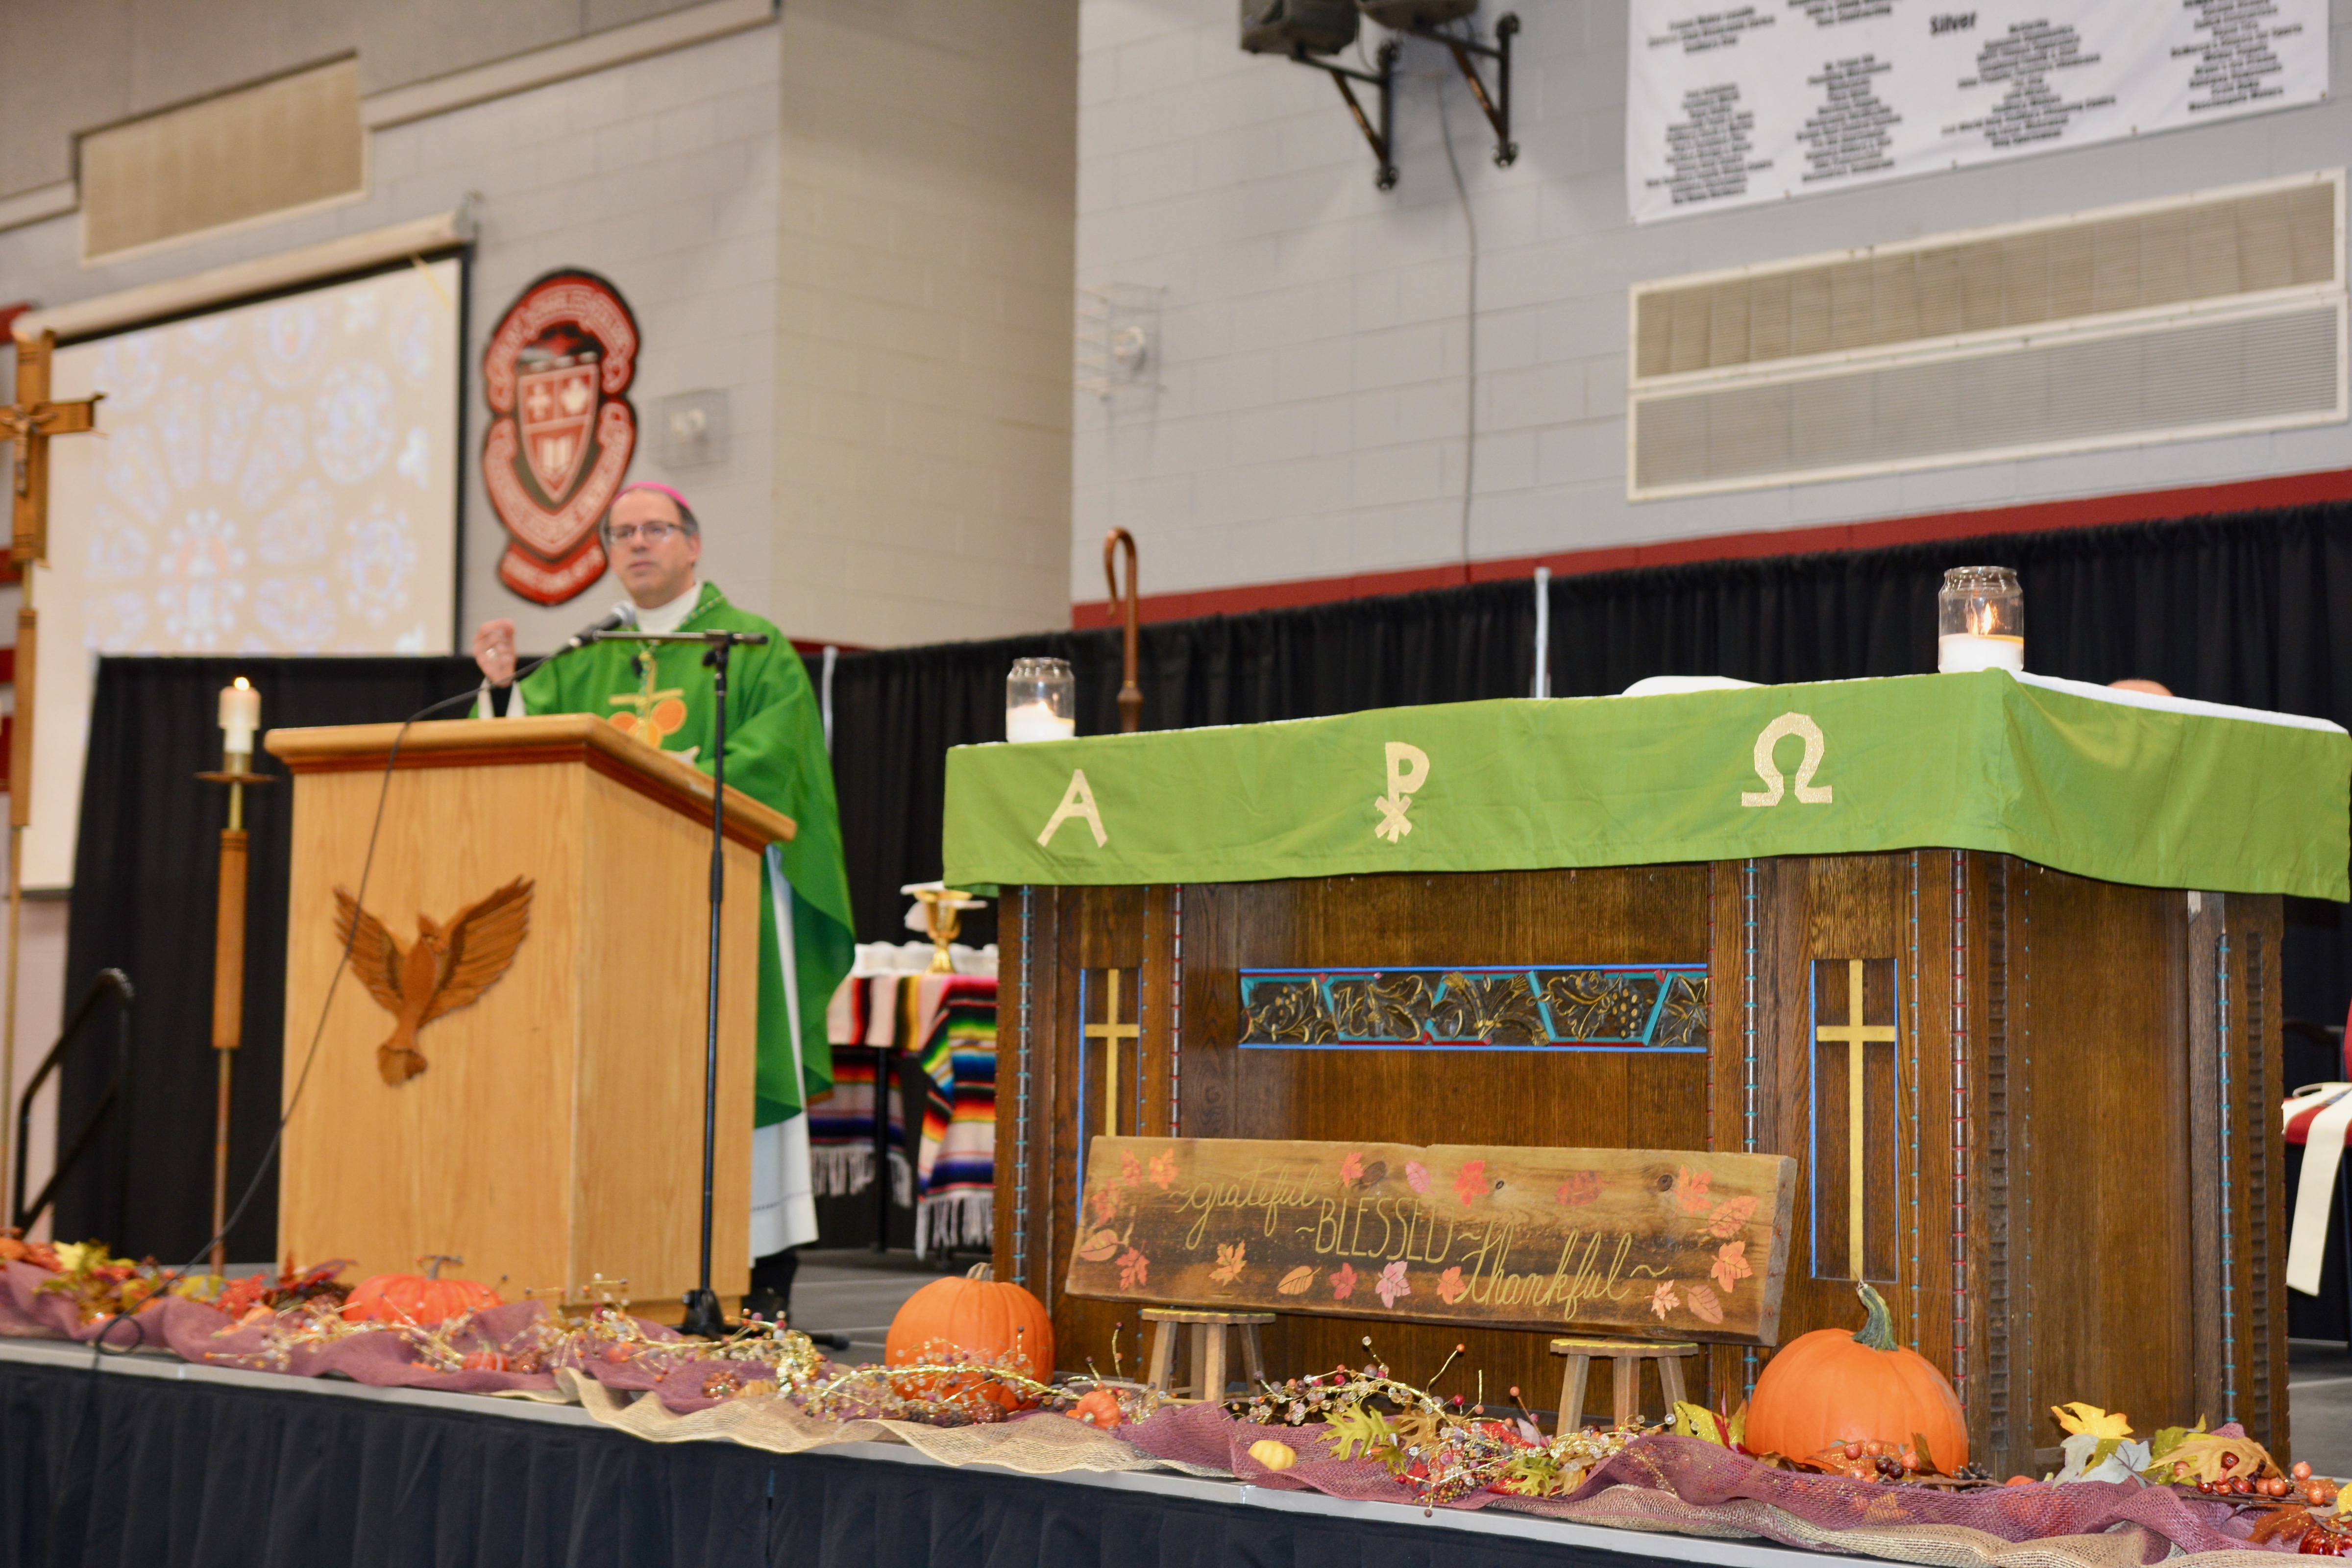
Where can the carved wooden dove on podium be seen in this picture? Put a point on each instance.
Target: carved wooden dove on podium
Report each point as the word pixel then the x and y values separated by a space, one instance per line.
pixel 446 968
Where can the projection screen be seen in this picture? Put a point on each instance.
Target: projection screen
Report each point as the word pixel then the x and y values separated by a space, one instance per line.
pixel 278 477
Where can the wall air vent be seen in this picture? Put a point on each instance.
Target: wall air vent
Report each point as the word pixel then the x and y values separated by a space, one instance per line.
pixel 2204 315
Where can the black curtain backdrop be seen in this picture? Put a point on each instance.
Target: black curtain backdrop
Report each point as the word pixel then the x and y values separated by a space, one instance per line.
pixel 2229 609
pixel 103 1469
pixel 146 881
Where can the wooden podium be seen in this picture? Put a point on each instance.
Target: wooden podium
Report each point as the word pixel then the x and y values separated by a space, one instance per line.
pixel 555 1134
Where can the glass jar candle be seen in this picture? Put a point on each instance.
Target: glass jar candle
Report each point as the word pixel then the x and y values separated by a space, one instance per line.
pixel 1980 620
pixel 1041 700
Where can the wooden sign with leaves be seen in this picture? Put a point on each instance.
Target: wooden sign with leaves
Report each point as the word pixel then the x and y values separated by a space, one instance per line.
pixel 1669 1243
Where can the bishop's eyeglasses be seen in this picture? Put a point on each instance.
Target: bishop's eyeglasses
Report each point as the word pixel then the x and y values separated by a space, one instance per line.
pixel 651 532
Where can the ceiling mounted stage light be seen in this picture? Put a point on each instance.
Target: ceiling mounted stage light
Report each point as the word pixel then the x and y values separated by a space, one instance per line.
pixel 1297 26
pixel 1405 15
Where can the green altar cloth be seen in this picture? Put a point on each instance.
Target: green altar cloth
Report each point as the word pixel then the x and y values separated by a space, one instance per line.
pixel 2169 795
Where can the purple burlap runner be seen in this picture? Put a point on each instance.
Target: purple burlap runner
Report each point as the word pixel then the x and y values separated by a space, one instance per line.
pixel 199 1333
pixel 1657 1483
pixel 1705 1476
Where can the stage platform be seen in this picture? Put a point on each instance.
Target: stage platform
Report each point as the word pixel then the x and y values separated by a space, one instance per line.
pixel 145 1458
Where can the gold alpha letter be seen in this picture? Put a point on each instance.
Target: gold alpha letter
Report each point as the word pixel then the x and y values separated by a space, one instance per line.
pixel 1077 801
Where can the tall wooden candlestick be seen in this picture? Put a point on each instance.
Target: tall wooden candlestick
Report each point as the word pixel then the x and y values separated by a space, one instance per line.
pixel 240 717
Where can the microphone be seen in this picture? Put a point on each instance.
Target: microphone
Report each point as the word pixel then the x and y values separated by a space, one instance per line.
pixel 621 616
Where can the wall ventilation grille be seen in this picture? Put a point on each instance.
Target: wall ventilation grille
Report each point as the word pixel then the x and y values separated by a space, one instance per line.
pixel 290 142
pixel 2214 313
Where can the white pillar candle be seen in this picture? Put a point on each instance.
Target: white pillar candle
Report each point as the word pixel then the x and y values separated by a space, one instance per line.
pixel 240 716
pixel 1036 721
pixel 1956 651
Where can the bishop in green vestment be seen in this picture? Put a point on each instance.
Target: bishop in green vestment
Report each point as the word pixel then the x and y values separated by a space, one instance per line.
pixel 775 753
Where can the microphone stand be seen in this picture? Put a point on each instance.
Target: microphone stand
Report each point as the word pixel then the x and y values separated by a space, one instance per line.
pixel 703 1320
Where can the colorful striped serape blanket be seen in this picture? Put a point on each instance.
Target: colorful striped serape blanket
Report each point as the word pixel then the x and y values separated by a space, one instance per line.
pixel 949 1022
pixel 865 1011
pixel 956 1161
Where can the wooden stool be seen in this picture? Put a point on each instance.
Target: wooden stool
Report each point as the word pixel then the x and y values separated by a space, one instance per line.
pixel 1628 1356
pixel 1209 1329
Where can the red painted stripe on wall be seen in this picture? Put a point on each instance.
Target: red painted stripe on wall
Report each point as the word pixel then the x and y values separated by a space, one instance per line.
pixel 2090 511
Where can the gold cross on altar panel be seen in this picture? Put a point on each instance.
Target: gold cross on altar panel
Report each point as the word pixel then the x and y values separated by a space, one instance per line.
pixel 1110 1031
pixel 1853 1034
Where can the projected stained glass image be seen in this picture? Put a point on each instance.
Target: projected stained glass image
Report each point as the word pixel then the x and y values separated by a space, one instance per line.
pixel 278 477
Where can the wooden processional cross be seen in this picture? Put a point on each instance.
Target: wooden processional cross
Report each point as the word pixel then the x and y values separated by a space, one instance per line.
pixel 27 424
pixel 1111 1032
pixel 1856 1036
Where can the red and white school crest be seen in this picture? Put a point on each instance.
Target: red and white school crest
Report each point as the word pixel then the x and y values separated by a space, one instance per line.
pixel 561 430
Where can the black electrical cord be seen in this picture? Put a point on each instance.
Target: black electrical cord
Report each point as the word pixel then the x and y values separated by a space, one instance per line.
pixel 318 1033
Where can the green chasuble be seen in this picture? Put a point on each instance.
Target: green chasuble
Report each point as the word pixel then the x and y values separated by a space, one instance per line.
pixel 776 754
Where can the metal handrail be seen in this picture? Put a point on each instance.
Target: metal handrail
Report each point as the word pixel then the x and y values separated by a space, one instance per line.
pixel 106 980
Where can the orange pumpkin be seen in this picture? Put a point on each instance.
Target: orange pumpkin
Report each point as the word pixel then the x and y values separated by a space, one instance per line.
pixel 1832 1386
pixel 422 1300
pixel 1100 1409
pixel 973 1318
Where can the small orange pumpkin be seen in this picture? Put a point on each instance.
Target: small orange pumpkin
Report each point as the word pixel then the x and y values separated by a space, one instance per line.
pixel 1832 1386
pixel 422 1300
pixel 973 1318
pixel 1099 1409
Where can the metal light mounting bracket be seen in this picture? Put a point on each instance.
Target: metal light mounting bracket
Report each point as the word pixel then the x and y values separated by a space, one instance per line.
pixel 1383 141
pixel 1498 105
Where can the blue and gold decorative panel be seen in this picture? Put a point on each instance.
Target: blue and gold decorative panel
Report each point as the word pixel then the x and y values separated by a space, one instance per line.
pixel 1519 1007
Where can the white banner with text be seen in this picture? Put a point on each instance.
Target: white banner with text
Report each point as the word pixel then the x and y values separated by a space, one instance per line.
pixel 1731 106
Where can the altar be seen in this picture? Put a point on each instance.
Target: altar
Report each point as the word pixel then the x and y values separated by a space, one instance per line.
pixel 1993 960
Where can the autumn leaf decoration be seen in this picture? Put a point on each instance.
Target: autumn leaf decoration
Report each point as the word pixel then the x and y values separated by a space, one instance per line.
pixel 1471 1180
pixel 1351 1169
pixel 1098 1245
pixel 1703 1304
pixel 1730 1265
pixel 1297 1281
pixel 1163 1168
pixel 1361 1429
pixel 1728 1216
pixel 1343 1282
pixel 2109 1428
pixel 1230 1262
pixel 1451 1286
pixel 1690 1189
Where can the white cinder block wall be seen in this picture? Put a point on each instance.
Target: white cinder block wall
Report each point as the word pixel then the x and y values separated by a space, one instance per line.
pixel 1315 353
pixel 923 443
pixel 660 174
pixel 894 186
